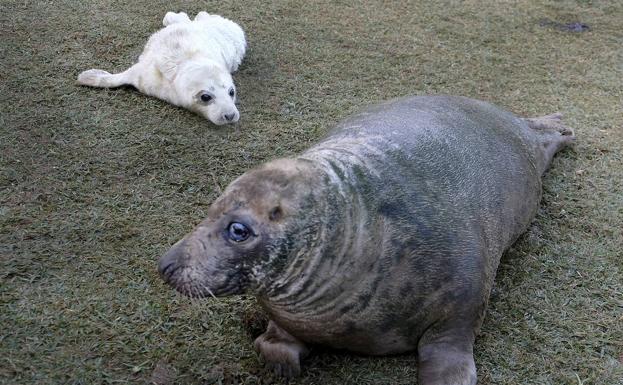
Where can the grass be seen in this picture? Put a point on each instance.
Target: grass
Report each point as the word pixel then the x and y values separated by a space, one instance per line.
pixel 96 184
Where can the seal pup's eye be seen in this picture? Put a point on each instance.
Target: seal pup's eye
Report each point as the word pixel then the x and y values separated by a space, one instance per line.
pixel 238 232
pixel 205 97
pixel 232 92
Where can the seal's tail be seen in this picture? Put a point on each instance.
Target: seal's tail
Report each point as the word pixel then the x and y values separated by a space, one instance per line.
pixel 553 135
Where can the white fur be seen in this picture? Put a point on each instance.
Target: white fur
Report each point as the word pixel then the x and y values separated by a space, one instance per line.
pixel 184 60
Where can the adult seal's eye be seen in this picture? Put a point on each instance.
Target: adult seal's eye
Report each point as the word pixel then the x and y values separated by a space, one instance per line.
pixel 206 98
pixel 238 232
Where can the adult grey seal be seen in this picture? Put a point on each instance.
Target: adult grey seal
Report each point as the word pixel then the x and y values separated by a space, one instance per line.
pixel 382 238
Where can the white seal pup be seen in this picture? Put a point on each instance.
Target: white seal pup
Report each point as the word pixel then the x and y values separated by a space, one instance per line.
pixel 383 238
pixel 188 64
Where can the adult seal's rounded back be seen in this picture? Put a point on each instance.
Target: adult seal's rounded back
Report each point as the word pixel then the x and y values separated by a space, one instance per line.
pixel 382 238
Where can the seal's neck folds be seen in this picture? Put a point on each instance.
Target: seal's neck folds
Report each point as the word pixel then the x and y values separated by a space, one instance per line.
pixel 337 225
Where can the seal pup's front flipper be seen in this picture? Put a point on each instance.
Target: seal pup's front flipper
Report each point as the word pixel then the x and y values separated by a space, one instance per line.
pixel 173 17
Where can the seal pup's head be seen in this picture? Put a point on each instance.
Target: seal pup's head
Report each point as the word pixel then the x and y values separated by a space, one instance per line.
pixel 208 89
pixel 250 234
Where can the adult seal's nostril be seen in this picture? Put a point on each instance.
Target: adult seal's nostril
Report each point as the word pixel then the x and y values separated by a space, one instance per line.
pixel 230 117
pixel 169 262
pixel 166 269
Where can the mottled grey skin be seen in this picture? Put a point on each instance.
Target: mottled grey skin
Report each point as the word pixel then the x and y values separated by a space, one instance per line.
pixel 383 238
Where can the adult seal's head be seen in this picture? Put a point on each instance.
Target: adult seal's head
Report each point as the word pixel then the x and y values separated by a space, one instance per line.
pixel 245 241
pixel 382 238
